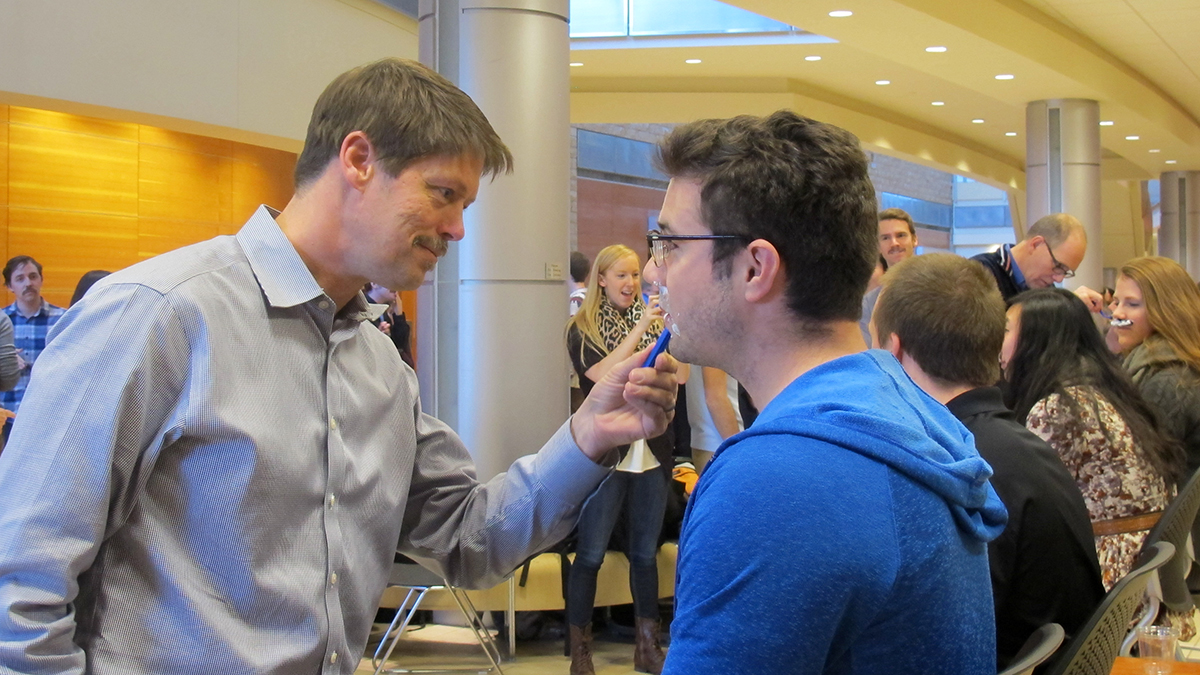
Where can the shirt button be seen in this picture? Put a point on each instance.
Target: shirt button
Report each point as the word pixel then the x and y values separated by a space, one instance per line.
pixel 332 423
pixel 324 304
pixel 332 501
pixel 333 657
pixel 333 579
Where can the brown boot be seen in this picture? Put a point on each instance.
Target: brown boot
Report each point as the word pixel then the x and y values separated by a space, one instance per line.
pixel 647 652
pixel 581 650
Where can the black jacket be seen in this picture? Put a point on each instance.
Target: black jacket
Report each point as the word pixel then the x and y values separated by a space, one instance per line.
pixel 1044 565
pixel 999 263
pixel 1172 388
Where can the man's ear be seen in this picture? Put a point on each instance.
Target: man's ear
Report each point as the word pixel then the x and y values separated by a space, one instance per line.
pixel 356 160
pixel 764 275
pixel 893 346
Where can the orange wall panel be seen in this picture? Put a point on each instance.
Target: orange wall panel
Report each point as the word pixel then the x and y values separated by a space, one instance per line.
pixel 76 124
pixel 4 247
pixel 181 185
pixel 3 155
pixel 67 244
pixel 260 176
pixel 64 170
pixel 159 235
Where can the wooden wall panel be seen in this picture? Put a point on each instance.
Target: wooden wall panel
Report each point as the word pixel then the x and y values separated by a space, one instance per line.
pixel 70 171
pixel 3 156
pixel 159 235
pixel 260 176
pixel 67 244
pixel 4 249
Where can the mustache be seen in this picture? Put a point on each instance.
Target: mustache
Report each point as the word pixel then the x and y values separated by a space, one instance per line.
pixel 438 245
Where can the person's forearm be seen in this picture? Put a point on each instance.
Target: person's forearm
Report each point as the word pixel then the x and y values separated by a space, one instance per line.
pixel 623 351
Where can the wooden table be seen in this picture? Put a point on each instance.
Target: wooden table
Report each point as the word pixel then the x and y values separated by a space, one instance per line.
pixel 1129 666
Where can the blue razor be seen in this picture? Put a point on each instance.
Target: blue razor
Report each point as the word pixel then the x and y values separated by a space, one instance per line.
pixel 660 346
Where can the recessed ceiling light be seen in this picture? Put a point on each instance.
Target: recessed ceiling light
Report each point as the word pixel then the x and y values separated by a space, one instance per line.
pixel 938 103
pixel 1004 77
pixel 1106 123
pixel 1155 150
pixel 812 58
pixel 691 61
pixel 841 13
pixel 1170 161
pixel 1010 133
pixel 976 121
pixel 882 82
pixel 576 64
pixel 1132 138
pixel 935 50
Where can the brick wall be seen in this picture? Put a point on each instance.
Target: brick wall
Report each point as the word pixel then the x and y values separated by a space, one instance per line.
pixel 911 180
pixel 613 213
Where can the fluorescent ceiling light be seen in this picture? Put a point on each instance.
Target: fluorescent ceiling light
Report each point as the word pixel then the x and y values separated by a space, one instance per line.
pixel 938 103
pixel 1155 150
pixel 1010 133
pixel 935 50
pixel 1004 77
pixel 841 13
pixel 882 82
pixel 576 64
pixel 1132 138
pixel 976 121
pixel 1106 123
pixel 812 58
pixel 691 61
pixel 1170 161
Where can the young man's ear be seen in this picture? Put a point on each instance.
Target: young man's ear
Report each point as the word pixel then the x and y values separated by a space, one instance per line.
pixel 763 270
pixel 892 345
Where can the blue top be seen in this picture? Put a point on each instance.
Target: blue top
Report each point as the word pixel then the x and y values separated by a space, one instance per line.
pixel 29 336
pixel 845 532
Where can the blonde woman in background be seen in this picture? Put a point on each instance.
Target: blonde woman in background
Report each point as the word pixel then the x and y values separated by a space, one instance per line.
pixel 612 324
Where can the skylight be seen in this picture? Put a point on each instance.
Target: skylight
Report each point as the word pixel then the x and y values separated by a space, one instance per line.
pixel 643 18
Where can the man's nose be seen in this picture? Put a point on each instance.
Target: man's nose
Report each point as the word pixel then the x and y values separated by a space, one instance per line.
pixel 453 227
pixel 650 272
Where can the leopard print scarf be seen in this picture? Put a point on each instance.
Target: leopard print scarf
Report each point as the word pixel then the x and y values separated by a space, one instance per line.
pixel 614 327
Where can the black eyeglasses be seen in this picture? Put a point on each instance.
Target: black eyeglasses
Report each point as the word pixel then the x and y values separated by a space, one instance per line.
pixel 1060 268
pixel 661 244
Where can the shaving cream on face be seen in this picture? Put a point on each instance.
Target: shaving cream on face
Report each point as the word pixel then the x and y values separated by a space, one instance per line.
pixel 1120 323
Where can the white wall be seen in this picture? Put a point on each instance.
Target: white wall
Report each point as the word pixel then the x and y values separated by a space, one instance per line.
pixel 250 65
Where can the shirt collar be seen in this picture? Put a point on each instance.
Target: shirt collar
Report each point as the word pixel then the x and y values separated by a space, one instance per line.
pixel 281 273
pixel 1013 268
pixel 44 309
pixel 987 400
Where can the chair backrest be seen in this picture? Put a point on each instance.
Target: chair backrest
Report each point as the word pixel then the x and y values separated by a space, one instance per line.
pixel 1036 649
pixel 1174 526
pixel 1094 649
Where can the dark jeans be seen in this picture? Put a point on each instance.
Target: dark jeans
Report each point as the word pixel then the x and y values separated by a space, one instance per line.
pixel 642 497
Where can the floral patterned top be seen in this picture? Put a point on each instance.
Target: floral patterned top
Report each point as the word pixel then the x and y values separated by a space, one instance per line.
pixel 1114 476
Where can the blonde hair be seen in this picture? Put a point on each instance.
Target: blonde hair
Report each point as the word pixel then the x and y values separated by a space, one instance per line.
pixel 586 320
pixel 1172 304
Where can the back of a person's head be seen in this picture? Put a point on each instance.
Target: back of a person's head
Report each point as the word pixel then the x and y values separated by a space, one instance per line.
pixel 1058 346
pixel 948 315
pixel 799 184
pixel 407 111
pixel 580 266
pixel 1056 228
pixel 1172 302
pixel 85 284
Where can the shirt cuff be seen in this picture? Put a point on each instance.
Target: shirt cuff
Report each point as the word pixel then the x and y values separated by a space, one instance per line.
pixel 565 471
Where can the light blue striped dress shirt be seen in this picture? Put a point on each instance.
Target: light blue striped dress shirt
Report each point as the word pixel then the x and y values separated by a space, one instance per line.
pixel 212 469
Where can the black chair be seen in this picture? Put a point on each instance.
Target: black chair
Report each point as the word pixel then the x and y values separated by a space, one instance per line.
pixel 1044 642
pixel 1095 647
pixel 1174 526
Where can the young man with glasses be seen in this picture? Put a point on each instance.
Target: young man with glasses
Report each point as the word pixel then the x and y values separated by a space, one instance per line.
pixel 1050 252
pixel 845 531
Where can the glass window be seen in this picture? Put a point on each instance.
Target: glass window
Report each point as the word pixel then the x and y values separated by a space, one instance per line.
pixel 640 18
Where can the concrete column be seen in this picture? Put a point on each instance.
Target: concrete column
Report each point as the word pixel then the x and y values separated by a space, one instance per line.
pixel 1171 228
pixel 1191 224
pixel 437 299
pixel 512 381
pixel 1062 173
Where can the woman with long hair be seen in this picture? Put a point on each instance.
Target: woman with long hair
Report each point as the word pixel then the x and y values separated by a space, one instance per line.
pixel 1071 391
pixel 1156 317
pixel 612 324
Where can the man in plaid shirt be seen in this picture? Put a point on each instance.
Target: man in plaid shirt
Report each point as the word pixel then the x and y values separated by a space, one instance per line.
pixel 31 317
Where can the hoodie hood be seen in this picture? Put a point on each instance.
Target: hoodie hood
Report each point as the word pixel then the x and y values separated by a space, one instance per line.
pixel 867 404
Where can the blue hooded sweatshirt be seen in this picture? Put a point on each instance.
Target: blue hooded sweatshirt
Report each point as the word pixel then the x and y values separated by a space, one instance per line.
pixel 845 532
